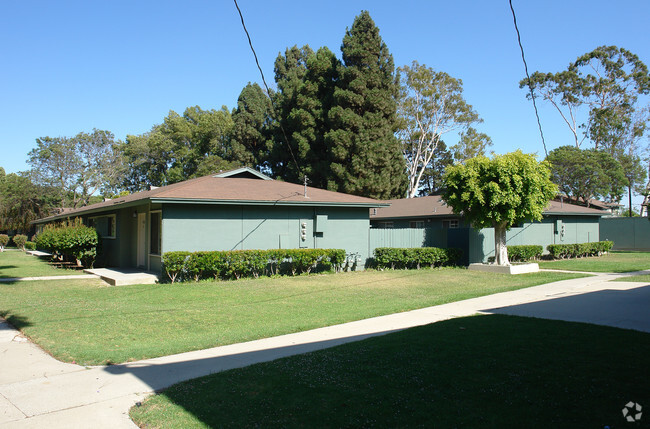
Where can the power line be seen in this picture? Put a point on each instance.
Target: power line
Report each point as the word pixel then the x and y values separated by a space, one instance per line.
pixel 530 87
pixel 268 91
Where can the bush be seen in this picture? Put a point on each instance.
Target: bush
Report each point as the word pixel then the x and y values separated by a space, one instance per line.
pixel 524 253
pixel 414 258
pixel 4 240
pixel 236 264
pixel 70 241
pixel 565 251
pixel 20 240
pixel 30 245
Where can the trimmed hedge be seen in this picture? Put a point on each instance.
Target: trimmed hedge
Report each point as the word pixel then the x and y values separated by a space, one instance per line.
pixel 236 264
pixel 524 253
pixel 70 241
pixel 565 251
pixel 20 240
pixel 414 258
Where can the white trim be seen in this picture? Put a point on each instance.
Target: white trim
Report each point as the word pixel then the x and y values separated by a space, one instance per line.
pixel 113 233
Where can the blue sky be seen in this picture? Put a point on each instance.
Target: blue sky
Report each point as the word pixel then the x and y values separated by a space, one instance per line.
pixel 71 66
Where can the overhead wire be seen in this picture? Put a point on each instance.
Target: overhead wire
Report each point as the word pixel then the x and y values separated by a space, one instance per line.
pixel 268 91
pixel 530 87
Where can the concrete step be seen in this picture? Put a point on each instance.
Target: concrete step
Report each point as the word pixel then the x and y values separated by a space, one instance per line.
pixel 119 277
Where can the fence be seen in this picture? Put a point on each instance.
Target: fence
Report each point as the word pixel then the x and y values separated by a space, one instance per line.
pixel 627 233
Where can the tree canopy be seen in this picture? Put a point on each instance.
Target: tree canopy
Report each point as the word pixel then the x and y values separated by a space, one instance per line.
pixel 499 192
pixel 78 166
pixel 431 104
pixel 583 174
pixel 365 155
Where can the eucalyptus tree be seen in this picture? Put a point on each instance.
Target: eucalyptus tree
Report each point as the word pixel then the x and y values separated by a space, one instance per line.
pixel 431 104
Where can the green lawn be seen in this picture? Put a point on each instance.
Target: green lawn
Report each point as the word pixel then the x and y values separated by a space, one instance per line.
pixel 19 264
pixel 613 262
pixel 476 372
pixel 90 323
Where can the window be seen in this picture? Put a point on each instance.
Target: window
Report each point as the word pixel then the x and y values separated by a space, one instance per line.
pixel 104 225
pixel 155 225
pixel 385 224
pixel 416 224
pixel 450 224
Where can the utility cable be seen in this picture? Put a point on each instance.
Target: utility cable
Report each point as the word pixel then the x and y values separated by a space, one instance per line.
pixel 530 87
pixel 268 92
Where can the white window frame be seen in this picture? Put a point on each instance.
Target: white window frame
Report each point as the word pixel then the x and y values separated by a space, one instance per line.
pixel 416 224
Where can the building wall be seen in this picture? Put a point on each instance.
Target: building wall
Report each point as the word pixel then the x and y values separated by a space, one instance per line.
pixel 191 227
pixel 627 233
pixel 478 245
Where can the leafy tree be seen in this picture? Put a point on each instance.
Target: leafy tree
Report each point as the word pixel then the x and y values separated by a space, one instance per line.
pixel 499 193
pixel 471 144
pixel 250 131
pixel 432 179
pixel 635 174
pixel 182 147
pixel 586 174
pixel 22 202
pixel 608 81
pixel 431 104
pixel 77 166
pixel 365 154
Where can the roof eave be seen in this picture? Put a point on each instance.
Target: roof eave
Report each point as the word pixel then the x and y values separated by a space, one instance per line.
pixel 266 203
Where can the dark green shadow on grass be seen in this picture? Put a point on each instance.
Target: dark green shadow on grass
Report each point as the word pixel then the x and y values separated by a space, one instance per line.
pixel 483 371
pixel 15 320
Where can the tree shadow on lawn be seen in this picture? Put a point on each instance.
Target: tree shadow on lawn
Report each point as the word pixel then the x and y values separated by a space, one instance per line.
pixel 485 371
pixel 6 267
pixel 13 321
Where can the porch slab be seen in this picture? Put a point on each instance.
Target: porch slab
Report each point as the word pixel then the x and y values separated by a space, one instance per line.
pixel 37 253
pixel 120 277
pixel 505 269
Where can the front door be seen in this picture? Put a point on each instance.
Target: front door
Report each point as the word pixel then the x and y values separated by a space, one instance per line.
pixel 142 248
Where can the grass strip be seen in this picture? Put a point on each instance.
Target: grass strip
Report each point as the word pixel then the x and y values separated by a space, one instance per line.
pixel 613 262
pixel 483 371
pixel 89 323
pixel 16 263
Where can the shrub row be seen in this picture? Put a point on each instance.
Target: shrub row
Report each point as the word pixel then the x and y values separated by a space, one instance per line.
pixel 524 252
pixel 400 258
pixel 564 251
pixel 237 264
pixel 70 241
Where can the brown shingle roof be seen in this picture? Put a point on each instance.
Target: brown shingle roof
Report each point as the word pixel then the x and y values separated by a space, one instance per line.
pixel 434 206
pixel 230 190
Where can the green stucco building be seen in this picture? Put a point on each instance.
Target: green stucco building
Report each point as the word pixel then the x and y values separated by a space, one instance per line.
pixel 238 209
pixel 428 221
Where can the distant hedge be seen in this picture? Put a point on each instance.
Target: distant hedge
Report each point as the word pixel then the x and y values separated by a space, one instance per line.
pixel 414 258
pixel 565 251
pixel 236 264
pixel 70 241
pixel 524 253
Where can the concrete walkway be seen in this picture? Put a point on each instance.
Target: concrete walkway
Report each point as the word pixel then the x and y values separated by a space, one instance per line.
pixel 38 391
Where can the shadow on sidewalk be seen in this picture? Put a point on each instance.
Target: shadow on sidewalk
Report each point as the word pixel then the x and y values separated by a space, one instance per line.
pixel 628 309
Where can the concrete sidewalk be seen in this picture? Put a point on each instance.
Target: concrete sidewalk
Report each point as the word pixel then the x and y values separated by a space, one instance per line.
pixel 38 391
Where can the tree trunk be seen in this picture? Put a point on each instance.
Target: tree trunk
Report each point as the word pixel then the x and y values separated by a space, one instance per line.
pixel 500 249
pixel 629 198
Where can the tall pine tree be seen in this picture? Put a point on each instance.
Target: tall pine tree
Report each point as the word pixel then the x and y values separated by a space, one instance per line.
pixel 251 121
pixel 365 154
